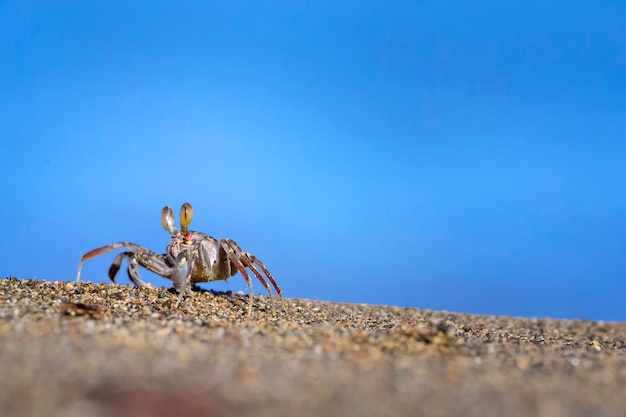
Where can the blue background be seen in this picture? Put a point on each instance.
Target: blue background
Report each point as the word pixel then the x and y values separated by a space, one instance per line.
pixel 464 156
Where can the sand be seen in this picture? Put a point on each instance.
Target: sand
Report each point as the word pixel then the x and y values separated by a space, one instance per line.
pixel 82 349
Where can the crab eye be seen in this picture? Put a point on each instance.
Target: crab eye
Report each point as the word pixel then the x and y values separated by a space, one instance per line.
pixel 167 220
pixel 186 214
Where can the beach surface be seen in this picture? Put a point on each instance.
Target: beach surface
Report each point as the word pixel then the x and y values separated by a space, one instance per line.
pixel 82 349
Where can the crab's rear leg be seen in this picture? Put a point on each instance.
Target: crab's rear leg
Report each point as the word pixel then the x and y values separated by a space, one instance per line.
pixel 261 265
pixel 250 261
pixel 243 260
pixel 233 258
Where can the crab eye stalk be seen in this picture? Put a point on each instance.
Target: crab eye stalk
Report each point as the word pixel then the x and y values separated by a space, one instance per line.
pixel 186 214
pixel 167 220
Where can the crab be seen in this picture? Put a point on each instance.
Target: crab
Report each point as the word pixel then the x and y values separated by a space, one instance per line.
pixel 190 257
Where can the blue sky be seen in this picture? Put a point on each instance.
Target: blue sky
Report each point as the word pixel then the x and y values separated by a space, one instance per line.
pixel 461 156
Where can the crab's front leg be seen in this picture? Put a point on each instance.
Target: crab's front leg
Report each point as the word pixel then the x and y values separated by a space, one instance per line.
pixel 152 262
pixel 181 275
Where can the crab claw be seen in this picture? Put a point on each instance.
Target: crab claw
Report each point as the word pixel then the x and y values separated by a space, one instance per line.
pixel 186 214
pixel 167 220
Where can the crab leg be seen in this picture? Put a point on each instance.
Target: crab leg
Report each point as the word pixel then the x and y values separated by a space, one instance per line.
pixel 244 259
pixel 258 262
pixel 242 269
pixel 152 262
pixel 155 264
pixel 254 260
pixel 181 275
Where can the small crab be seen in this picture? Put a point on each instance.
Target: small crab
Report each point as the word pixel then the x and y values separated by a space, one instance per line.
pixel 190 257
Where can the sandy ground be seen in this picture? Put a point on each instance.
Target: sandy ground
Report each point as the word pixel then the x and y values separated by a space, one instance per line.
pixel 81 349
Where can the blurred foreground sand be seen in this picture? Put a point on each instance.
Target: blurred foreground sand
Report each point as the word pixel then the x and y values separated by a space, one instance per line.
pixel 128 351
